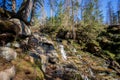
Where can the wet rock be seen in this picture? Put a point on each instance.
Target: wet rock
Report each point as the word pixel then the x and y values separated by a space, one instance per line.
pixel 7 74
pixel 8 53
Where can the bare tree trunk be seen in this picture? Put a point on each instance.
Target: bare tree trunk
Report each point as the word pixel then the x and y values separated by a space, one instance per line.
pixel 73 28
pixel 118 17
pixel 28 10
pixel 14 6
pixel 118 10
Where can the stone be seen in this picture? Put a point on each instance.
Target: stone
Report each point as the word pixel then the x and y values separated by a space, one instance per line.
pixel 7 26
pixel 16 44
pixel 8 53
pixel 33 41
pixel 13 44
pixel 92 48
pixel 44 61
pixel 24 30
pixel 8 74
pixel 30 59
pixel 47 46
pixel 11 29
pixel 53 57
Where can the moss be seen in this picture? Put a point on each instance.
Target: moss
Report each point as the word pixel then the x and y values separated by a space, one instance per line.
pixel 27 70
pixel 111 55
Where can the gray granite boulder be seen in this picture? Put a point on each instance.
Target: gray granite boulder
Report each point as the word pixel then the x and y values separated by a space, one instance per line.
pixel 8 74
pixel 8 53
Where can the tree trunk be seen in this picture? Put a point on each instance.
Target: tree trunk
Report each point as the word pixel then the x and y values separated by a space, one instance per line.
pixel 14 6
pixel 28 10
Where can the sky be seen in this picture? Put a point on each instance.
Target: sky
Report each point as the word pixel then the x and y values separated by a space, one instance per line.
pixel 104 6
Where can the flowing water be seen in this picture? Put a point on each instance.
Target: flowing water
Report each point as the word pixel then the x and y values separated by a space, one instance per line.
pixel 63 53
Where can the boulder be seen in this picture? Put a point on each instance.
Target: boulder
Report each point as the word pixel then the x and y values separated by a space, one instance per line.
pixel 7 26
pixel 15 26
pixel 14 44
pixel 8 53
pixel 12 28
pixel 24 30
pixel 8 74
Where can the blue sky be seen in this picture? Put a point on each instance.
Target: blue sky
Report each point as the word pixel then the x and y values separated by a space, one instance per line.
pixel 104 6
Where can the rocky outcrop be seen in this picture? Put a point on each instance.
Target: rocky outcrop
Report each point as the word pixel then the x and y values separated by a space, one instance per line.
pixel 11 29
pixel 8 74
pixel 24 30
pixel 8 53
pixel 43 50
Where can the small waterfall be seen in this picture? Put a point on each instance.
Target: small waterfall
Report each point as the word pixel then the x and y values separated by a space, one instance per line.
pixel 63 53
